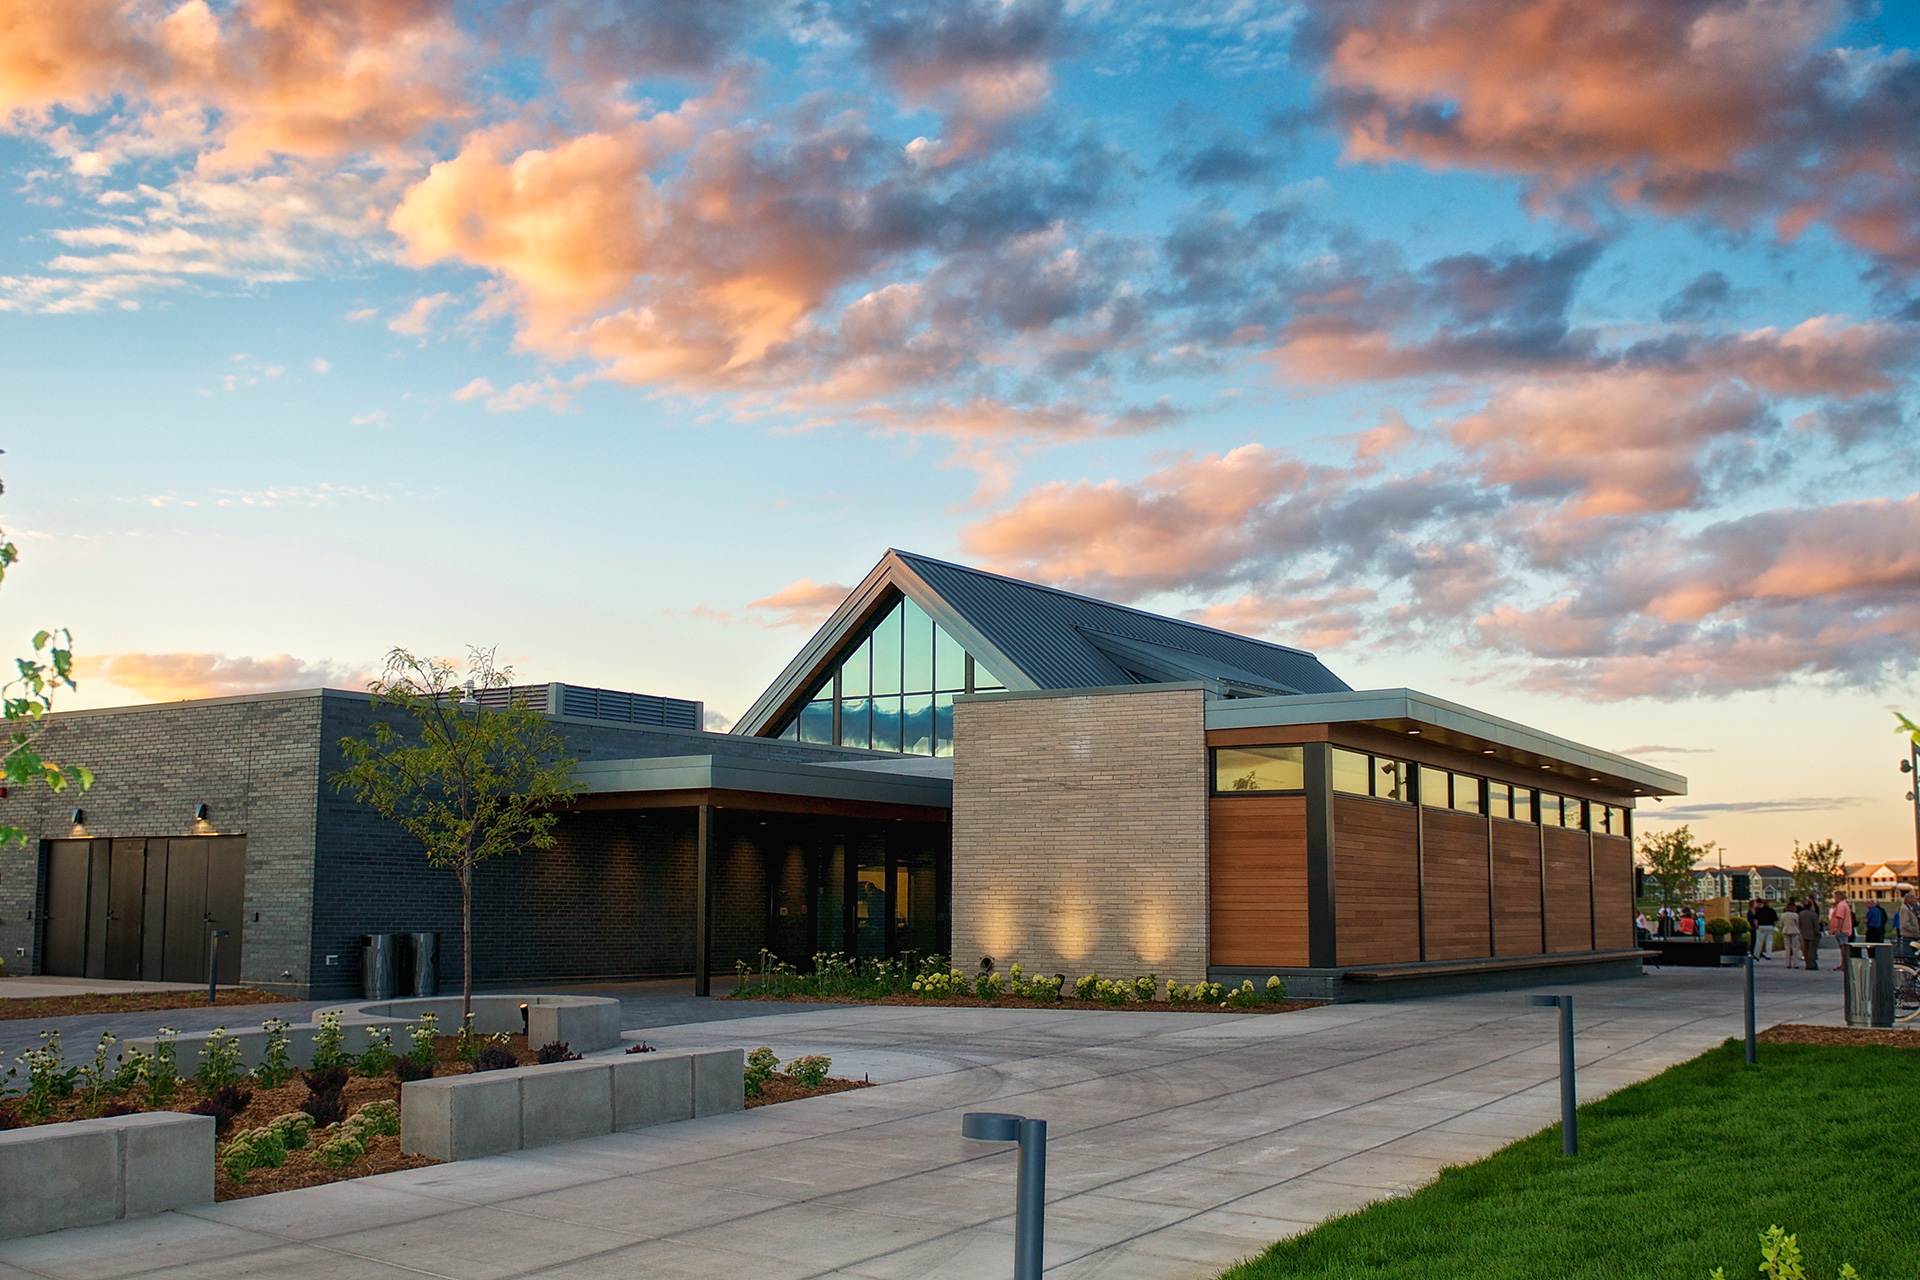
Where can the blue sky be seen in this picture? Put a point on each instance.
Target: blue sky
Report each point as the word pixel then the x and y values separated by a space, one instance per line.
pixel 1570 377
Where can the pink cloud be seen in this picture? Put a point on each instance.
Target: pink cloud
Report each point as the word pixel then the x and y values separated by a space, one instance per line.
pixel 802 603
pixel 1731 108
pixel 165 677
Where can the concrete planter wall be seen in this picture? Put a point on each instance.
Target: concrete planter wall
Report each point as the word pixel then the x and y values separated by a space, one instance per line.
pixel 587 1024
pixel 90 1171
pixel 490 1113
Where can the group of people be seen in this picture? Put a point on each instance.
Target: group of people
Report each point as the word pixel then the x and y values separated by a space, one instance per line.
pixel 1800 926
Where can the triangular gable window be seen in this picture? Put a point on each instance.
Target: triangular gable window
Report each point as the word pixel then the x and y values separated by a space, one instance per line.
pixel 894 691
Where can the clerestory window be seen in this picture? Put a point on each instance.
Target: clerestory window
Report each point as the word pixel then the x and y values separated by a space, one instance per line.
pixel 895 690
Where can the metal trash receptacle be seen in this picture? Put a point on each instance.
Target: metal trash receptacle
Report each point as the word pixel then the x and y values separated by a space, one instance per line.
pixel 425 952
pixel 1867 977
pixel 379 966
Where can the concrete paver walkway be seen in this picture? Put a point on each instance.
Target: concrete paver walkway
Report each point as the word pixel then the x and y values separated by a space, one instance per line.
pixel 1180 1143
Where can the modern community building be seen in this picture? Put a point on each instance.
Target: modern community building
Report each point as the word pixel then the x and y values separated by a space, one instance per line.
pixel 956 762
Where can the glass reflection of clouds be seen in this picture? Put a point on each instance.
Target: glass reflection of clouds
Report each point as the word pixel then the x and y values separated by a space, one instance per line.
pixel 894 692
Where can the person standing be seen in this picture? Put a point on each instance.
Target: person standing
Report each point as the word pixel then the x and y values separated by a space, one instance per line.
pixel 1790 933
pixel 1840 920
pixel 1810 934
pixel 1764 918
pixel 1876 922
pixel 1906 925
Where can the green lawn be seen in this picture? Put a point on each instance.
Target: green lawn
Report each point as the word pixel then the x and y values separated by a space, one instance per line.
pixel 1675 1177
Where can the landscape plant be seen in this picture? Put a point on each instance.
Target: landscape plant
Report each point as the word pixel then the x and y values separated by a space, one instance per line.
pixel 761 1064
pixel 494 1058
pixel 377 1058
pixel 275 1069
pixel 219 1061
pixel 809 1070
pixel 467 780
pixel 329 1041
pixel 1780 1259
pixel 161 1074
pixel 326 1100
pixel 555 1051
pixel 421 1036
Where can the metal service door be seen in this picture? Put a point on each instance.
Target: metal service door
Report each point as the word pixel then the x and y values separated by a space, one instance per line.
pixel 126 889
pixel 64 918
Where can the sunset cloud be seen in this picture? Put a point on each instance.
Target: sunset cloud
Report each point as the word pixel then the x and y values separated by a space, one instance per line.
pixel 166 677
pixel 804 603
pixel 1732 109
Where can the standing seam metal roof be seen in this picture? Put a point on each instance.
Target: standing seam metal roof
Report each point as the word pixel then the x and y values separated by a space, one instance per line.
pixel 1042 630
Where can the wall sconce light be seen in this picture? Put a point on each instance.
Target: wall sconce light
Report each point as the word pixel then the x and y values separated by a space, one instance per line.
pixel 202 812
pixel 79 817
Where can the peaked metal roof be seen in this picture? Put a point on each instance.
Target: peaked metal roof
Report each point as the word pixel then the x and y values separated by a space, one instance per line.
pixel 1041 638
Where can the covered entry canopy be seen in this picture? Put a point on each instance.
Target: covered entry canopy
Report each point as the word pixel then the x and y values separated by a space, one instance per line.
pixel 855 854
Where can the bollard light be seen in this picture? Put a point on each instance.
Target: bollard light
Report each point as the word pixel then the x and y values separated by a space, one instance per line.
pixel 1753 1054
pixel 1569 1105
pixel 213 964
pixel 1030 1193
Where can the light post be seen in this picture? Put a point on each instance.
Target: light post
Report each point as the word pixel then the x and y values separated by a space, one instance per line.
pixel 1911 767
pixel 1569 1104
pixel 1030 1193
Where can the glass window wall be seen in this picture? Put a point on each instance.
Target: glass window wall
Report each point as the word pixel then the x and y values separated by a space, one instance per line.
pixel 895 691
pixel 1466 793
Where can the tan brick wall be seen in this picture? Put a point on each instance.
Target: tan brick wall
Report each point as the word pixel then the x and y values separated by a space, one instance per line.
pixel 1080 834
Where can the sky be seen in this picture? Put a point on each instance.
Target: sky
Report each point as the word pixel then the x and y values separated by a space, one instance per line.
pixel 1554 356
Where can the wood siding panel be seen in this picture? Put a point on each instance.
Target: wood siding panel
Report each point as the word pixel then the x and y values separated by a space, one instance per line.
pixel 1612 892
pixel 1257 880
pixel 1569 922
pixel 1516 889
pixel 1376 882
pixel 1456 859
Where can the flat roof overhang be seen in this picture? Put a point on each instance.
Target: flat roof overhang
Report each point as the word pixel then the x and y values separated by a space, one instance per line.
pixel 1410 712
pixel 854 789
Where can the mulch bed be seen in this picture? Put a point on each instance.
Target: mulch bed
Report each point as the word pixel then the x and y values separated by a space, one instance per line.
pixel 1801 1033
pixel 784 1088
pixel 1019 1002
pixel 66 1006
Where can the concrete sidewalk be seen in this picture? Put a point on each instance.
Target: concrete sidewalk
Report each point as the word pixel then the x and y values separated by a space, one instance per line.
pixel 1180 1143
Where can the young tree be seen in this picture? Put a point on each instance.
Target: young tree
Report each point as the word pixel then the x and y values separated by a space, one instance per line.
pixel 26 698
pixel 471 782
pixel 1816 868
pixel 1671 857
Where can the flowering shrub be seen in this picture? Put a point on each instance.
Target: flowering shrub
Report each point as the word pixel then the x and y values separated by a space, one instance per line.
pixel 351 1138
pixel 219 1061
pixel 990 985
pixel 942 983
pixel 329 1041
pixel 377 1060
pixel 422 1036
pixel 274 1069
pixel 1043 987
pixel 833 975
pixel 760 1067
pixel 810 1070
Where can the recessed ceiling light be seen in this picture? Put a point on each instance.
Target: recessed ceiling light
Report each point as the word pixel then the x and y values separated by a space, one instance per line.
pixel 1546 766
pixel 1486 751
pixel 1593 779
pixel 1414 732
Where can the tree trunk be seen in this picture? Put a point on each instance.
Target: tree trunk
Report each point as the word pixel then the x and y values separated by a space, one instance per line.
pixel 466 943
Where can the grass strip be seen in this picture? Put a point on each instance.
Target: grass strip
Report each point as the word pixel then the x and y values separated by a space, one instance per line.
pixel 1676 1175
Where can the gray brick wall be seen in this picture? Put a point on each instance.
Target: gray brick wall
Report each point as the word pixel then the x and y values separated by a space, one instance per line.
pixel 1080 833
pixel 613 899
pixel 254 761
